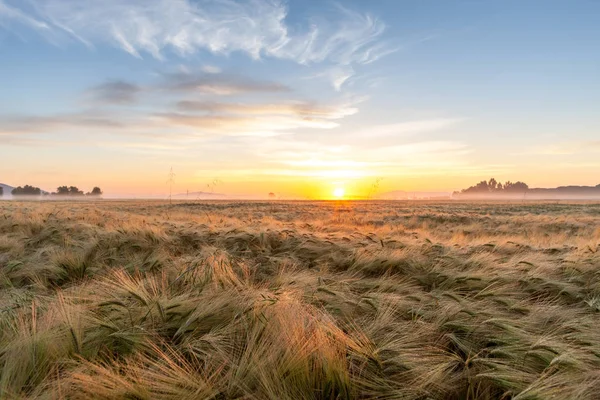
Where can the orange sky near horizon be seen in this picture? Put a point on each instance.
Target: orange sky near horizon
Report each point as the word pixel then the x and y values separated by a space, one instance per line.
pixel 152 181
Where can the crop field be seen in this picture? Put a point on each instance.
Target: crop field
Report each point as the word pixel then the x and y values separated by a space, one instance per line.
pixel 299 300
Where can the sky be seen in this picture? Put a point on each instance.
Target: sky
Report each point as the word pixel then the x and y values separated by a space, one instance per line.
pixel 302 98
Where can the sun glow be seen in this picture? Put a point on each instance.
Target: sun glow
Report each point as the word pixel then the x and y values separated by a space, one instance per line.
pixel 339 193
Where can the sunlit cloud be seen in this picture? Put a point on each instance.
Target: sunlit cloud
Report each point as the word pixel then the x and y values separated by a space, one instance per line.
pixel 243 125
pixel 159 113
pixel 301 109
pixel 293 157
pixel 186 118
pixel 297 158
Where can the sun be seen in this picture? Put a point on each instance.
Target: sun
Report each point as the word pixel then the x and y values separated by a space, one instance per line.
pixel 339 192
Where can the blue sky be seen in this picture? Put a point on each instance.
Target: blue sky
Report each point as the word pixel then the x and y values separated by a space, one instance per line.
pixel 298 97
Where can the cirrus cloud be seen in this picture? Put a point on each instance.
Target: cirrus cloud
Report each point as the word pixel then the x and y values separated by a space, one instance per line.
pixel 258 28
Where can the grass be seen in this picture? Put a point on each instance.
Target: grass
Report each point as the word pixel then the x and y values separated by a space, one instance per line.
pixel 299 300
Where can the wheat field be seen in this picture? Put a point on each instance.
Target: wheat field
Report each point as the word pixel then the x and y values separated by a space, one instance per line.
pixel 299 300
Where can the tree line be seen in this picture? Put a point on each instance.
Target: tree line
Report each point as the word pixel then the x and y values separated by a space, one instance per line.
pixel 29 190
pixel 493 186
pixel 74 191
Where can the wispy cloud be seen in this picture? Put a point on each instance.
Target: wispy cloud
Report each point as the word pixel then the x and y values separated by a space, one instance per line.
pixel 9 13
pixel 255 27
pixel 258 28
pixel 337 75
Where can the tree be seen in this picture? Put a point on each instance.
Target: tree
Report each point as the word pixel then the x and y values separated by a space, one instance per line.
pixel 271 195
pixel 62 190
pixel 74 191
pixel 515 187
pixel 481 187
pixel 96 191
pixel 26 190
pixel 1 191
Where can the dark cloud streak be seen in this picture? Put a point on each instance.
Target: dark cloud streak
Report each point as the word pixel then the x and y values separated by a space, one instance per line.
pixel 26 124
pixel 115 92
pixel 218 84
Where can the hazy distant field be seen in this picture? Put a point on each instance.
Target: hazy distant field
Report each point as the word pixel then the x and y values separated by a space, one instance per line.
pixel 230 300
